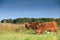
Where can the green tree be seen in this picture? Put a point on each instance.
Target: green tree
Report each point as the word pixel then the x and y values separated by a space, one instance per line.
pixel 58 21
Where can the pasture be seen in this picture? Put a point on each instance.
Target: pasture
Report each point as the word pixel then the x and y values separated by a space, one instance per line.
pixel 26 36
pixel 18 32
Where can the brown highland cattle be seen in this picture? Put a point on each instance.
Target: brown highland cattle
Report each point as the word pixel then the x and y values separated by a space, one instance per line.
pixel 33 25
pixel 47 26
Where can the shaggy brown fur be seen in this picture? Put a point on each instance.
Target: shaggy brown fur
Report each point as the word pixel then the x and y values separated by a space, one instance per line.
pixel 33 25
pixel 47 26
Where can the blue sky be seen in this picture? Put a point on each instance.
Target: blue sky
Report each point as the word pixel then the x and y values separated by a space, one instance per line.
pixel 29 8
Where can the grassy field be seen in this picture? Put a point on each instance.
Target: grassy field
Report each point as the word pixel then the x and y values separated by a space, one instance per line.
pixel 27 36
pixel 11 32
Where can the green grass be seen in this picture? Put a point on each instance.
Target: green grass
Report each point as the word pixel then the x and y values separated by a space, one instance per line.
pixel 28 36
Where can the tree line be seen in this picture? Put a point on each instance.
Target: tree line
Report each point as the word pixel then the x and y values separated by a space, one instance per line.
pixel 26 20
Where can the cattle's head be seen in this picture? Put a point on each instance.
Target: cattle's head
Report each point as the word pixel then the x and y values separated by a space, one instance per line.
pixel 32 25
pixel 27 26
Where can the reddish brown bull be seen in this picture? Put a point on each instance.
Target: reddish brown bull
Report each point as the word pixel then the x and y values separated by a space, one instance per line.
pixel 47 26
pixel 33 25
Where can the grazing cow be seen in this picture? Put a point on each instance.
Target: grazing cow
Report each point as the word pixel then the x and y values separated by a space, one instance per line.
pixel 47 26
pixel 33 25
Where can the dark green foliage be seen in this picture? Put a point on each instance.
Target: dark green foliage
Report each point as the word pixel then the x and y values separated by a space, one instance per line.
pixel 7 21
pixel 26 20
pixel 47 19
pixel 58 21
pixel 18 20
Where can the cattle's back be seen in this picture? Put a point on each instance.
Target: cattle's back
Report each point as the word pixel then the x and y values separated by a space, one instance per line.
pixel 48 26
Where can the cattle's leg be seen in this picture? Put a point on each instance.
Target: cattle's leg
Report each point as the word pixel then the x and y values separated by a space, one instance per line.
pixel 34 30
pixel 40 31
pixel 55 31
